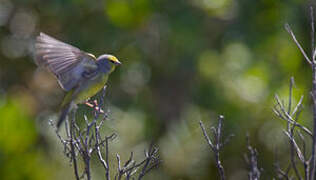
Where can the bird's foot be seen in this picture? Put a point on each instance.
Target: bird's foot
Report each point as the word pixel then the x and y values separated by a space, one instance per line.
pixel 94 105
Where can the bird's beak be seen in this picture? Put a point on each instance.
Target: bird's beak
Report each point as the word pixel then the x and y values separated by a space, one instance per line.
pixel 115 60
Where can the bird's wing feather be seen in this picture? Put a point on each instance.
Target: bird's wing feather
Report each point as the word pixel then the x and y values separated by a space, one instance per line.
pixel 67 62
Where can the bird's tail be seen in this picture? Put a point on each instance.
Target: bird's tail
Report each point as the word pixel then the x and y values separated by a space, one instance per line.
pixel 65 109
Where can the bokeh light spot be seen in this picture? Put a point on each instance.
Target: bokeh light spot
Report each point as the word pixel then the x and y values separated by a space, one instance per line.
pixel 23 23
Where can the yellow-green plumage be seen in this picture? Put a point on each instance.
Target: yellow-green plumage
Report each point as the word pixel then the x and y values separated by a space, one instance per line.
pixel 90 89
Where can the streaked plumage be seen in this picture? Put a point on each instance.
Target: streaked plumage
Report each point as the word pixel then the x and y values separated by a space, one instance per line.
pixel 77 72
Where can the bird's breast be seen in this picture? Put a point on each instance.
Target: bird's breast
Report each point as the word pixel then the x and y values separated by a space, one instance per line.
pixel 91 87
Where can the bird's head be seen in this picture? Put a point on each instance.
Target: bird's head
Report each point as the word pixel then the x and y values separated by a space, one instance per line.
pixel 110 58
pixel 108 62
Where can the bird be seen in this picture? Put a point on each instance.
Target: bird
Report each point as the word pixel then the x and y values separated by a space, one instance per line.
pixel 79 73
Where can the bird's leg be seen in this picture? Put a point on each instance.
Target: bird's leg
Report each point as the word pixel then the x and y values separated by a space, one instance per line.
pixel 97 107
pixel 89 104
pixel 94 104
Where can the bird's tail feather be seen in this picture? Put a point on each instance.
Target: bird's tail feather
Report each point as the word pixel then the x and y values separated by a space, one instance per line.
pixel 64 112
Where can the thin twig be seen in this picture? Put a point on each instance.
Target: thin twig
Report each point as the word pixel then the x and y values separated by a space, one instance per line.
pixel 285 116
pixel 73 153
pixel 313 157
pixel 278 169
pixel 208 140
pixel 151 161
pixel 298 150
pixel 217 145
pixel 290 133
pixel 312 33
pixel 252 161
pixel 289 30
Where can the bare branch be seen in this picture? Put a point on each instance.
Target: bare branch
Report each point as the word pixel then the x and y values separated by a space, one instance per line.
pixel 290 133
pixel 290 95
pixel 298 150
pixel 280 173
pixel 207 138
pixel 289 30
pixel 298 106
pixel 285 116
pixel 312 33
pixel 295 151
pixel 84 140
pixel 72 146
pixel 313 156
pixel 151 161
pixel 252 161
pixel 217 145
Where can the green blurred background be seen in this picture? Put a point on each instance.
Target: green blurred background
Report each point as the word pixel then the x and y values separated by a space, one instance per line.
pixel 183 61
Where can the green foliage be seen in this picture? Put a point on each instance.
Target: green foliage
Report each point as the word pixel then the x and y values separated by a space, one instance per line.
pixel 18 141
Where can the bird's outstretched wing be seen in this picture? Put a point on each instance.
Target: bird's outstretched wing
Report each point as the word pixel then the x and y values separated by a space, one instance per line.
pixel 68 63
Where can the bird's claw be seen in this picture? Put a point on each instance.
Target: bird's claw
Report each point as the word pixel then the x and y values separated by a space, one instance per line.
pixel 94 105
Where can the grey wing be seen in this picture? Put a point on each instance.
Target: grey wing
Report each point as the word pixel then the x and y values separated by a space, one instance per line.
pixel 66 62
pixel 81 71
